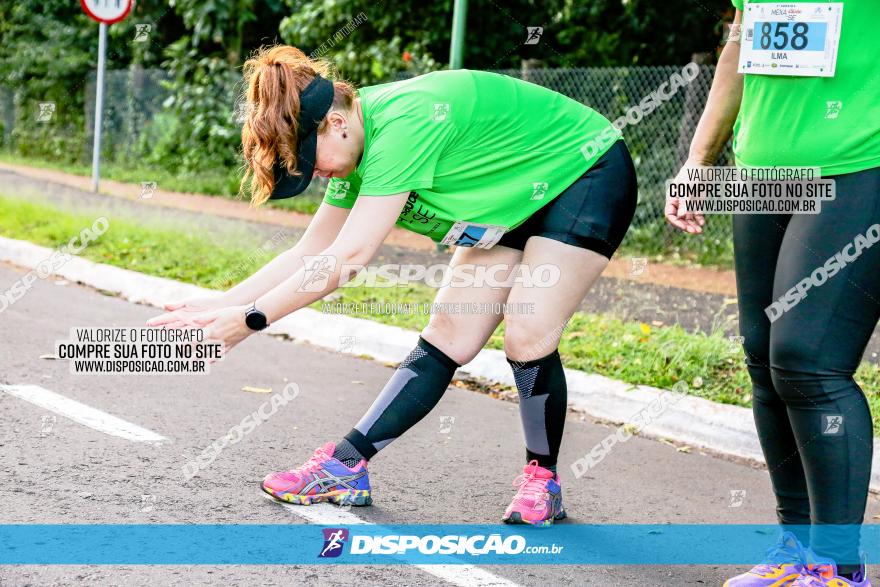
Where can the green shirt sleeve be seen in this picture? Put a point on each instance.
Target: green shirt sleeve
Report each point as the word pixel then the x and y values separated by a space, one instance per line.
pixel 404 154
pixel 737 4
pixel 343 191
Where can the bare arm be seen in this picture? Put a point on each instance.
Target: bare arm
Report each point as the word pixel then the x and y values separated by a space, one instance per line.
pixel 713 130
pixel 321 232
pixel 369 222
pixel 722 106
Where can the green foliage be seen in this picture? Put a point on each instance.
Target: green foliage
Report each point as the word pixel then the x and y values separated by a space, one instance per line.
pixel 412 36
pixel 197 129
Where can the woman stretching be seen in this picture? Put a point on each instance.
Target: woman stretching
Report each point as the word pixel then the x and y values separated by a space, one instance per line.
pixel 506 171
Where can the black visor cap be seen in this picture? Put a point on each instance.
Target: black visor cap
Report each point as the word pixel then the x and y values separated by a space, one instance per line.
pixel 314 103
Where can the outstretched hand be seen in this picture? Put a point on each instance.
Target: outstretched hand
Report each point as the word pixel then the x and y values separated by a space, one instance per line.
pixel 181 314
pixel 226 326
pixel 690 222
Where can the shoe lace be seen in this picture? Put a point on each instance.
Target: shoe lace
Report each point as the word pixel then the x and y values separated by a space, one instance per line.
pixel 530 485
pixel 314 462
pixel 810 576
pixel 780 554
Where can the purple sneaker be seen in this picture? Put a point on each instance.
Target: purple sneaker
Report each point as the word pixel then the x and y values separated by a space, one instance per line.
pixel 781 568
pixel 823 573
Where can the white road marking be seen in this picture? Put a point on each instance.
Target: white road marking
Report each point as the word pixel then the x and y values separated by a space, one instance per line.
pixel 85 415
pixel 462 575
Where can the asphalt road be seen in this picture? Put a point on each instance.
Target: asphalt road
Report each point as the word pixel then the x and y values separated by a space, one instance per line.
pixel 74 474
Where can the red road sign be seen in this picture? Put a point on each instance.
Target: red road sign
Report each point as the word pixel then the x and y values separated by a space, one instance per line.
pixel 107 11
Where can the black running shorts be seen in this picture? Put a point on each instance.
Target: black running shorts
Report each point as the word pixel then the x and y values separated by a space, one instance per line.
pixel 592 213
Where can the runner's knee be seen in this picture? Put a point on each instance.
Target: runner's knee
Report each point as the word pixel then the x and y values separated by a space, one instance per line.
pixel 801 378
pixel 525 340
pixel 453 338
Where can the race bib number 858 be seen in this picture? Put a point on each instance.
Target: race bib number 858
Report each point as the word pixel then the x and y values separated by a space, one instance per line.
pixel 471 234
pixel 790 39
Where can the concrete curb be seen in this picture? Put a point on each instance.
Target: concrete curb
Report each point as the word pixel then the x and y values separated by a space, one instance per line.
pixel 691 420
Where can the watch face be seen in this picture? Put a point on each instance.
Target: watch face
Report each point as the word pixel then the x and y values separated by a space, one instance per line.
pixel 255 319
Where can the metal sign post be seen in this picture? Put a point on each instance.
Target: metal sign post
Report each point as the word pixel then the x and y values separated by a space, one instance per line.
pixel 106 12
pixel 456 45
pixel 99 106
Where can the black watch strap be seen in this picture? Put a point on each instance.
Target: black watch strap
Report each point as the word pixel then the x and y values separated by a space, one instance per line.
pixel 254 319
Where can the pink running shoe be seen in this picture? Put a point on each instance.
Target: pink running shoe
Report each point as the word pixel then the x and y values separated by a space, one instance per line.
pixel 538 500
pixel 321 478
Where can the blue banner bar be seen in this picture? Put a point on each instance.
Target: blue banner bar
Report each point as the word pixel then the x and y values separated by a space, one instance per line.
pixel 163 544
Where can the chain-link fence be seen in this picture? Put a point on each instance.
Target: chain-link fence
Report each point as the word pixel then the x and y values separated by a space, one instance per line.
pixel 661 107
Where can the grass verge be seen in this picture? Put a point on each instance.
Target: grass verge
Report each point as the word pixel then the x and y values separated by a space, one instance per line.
pixel 598 343
pixel 223 183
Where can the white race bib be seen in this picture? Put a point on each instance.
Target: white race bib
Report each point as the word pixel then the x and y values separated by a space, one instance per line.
pixel 470 234
pixel 782 38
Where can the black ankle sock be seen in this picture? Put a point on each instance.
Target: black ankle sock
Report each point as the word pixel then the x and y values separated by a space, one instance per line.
pixel 347 453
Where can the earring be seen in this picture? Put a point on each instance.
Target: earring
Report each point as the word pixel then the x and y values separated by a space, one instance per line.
pixel 344 134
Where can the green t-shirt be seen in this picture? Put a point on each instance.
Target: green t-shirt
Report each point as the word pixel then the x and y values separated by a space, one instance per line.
pixel 827 122
pixel 470 146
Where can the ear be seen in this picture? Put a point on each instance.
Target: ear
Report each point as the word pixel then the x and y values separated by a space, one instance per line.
pixel 337 120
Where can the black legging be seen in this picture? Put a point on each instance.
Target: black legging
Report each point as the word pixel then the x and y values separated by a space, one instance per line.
pixel 802 364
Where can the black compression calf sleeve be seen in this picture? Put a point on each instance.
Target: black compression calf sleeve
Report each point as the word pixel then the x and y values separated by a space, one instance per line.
pixel 415 388
pixel 543 397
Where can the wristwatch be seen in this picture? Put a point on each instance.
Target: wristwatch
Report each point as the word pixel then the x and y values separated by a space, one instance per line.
pixel 254 319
